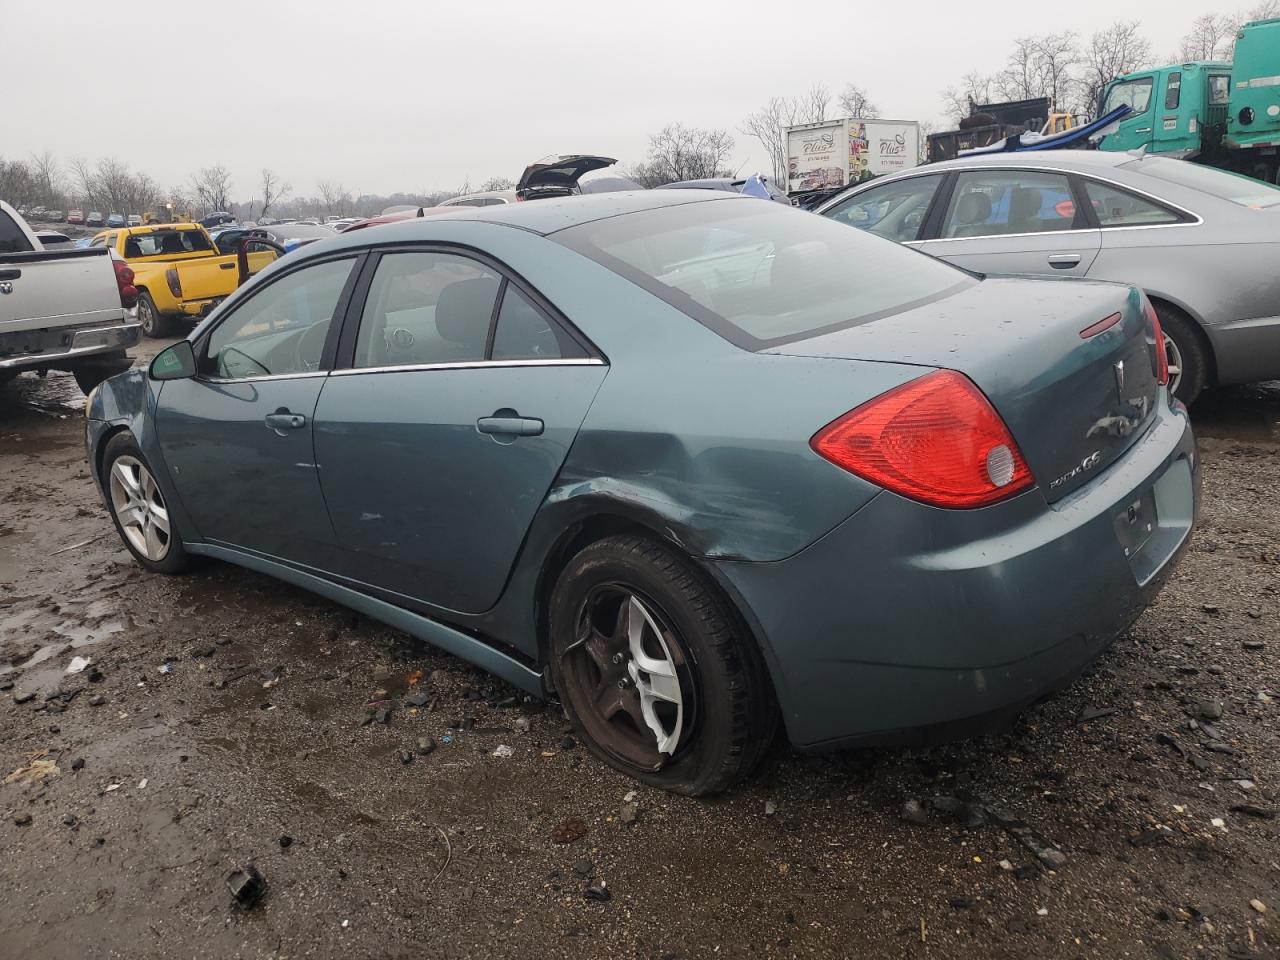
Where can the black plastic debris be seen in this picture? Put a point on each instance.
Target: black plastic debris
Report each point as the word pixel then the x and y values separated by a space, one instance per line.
pixel 247 885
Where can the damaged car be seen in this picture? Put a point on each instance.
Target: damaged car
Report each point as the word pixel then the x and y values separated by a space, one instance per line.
pixel 700 467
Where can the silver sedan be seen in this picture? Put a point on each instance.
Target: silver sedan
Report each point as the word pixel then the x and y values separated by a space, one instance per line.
pixel 1202 243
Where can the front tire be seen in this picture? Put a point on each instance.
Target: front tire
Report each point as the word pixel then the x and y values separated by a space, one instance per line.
pixel 138 508
pixel 1188 358
pixel 655 671
pixel 154 324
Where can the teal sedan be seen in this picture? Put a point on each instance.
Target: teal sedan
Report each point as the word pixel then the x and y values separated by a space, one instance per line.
pixel 701 467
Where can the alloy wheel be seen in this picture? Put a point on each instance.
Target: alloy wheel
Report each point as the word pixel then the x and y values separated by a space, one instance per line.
pixel 1174 356
pixel 139 506
pixel 628 678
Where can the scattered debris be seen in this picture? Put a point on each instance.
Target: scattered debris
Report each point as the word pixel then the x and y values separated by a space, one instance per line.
pixel 406 756
pixel 913 812
pixel 583 868
pixel 1258 905
pixel 1255 810
pixel 246 884
pixel 567 742
pixel 1045 851
pixel 78 664
pixel 97 700
pixel 1210 709
pixel 286 842
pixel 770 808
pixel 630 812
pixel 39 766
pixel 598 890
pixel 502 751
pixel 1094 713
pixel 425 746
pixel 419 698
pixel 22 819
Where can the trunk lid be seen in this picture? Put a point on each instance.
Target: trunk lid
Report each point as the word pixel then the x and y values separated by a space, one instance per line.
pixel 557 176
pixel 1073 403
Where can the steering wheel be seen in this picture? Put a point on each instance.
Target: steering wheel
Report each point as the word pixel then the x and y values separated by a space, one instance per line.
pixel 310 344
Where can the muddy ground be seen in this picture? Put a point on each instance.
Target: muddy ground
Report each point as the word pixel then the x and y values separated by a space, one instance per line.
pixel 230 716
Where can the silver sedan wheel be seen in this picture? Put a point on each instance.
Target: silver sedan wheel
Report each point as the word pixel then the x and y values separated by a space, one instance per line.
pixel 139 506
pixel 1174 356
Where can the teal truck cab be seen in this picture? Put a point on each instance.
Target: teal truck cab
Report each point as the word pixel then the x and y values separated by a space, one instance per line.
pixel 1224 114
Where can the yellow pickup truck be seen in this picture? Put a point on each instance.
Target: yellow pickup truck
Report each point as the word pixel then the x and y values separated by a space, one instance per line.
pixel 177 269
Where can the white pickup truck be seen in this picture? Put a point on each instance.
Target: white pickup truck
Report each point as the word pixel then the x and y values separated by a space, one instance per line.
pixel 72 310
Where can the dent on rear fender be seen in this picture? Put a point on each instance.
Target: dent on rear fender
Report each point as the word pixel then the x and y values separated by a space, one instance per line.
pixel 712 497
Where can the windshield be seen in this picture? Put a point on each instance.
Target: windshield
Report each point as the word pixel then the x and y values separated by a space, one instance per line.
pixel 1235 187
pixel 1131 93
pixel 760 274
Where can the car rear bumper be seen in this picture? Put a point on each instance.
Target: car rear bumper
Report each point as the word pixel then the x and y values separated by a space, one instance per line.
pixel 911 623
pixel 57 349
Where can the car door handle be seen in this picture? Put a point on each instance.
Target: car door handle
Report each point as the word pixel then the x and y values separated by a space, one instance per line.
pixel 226 266
pixel 283 420
pixel 10 273
pixel 1064 261
pixel 510 426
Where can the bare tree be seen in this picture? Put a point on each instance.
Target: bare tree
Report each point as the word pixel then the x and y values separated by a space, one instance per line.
pixel 677 152
pixel 212 188
pixel 1210 37
pixel 854 102
pixel 926 127
pixel 497 183
pixel 334 197
pixel 1117 50
pixel 47 176
pixel 974 88
pixel 1042 67
pixel 17 185
pixel 768 124
pixel 273 190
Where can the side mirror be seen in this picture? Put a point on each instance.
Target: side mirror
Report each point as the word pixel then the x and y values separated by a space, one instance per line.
pixel 178 362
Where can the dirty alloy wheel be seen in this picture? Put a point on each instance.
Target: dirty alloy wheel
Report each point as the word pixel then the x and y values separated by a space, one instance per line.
pixel 138 508
pixel 153 323
pixel 1188 362
pixel 657 675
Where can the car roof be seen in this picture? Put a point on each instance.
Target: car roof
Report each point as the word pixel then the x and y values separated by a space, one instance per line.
pixel 1097 160
pixel 544 216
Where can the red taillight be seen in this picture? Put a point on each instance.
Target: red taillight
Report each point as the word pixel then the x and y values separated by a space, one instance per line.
pixel 936 439
pixel 1162 355
pixel 124 283
pixel 174 281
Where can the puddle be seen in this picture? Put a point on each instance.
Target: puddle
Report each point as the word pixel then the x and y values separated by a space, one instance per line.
pixel 1250 413
pixel 55 395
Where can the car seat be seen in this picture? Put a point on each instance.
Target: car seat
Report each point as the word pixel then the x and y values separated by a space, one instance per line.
pixel 972 213
pixel 463 312
pixel 1024 210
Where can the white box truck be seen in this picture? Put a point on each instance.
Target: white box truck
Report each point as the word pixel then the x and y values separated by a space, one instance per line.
pixel 834 153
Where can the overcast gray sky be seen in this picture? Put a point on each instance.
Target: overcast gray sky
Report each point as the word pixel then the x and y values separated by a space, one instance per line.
pixel 391 95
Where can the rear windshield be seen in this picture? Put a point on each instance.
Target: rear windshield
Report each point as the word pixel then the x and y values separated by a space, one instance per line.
pixel 12 239
pixel 162 242
pixel 1236 187
pixel 759 273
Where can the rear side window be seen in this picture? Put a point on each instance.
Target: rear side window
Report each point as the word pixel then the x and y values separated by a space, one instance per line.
pixel 1119 208
pixel 526 333
pixel 761 273
pixel 12 239
pixel 997 202
pixel 426 308
pixel 1173 91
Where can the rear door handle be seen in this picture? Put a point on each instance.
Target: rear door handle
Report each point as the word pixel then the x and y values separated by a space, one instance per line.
pixel 10 273
pixel 283 420
pixel 226 266
pixel 1064 261
pixel 510 426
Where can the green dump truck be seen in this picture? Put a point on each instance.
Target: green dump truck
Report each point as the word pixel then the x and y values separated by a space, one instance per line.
pixel 1224 114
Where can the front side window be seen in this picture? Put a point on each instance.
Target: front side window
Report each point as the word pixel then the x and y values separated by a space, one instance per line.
pixel 762 274
pixel 894 211
pixel 426 308
pixel 1131 93
pixel 998 202
pixel 1173 91
pixel 281 329
pixel 1119 208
